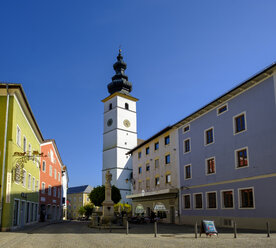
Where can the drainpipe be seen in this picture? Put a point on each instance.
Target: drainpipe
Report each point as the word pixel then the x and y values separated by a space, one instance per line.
pixel 4 158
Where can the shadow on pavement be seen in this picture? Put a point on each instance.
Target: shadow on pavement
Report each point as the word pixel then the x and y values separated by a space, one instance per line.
pixel 81 227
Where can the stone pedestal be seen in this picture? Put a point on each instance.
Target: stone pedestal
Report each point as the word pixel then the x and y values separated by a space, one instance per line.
pixel 108 204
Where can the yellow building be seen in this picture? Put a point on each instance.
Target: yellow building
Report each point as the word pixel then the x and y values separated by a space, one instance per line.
pixel 77 197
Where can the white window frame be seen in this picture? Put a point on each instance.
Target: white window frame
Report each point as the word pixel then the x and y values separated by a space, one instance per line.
pixel 18 135
pixel 50 170
pixel 43 185
pixel 194 201
pixel 183 199
pixel 24 143
pixel 55 173
pixel 222 199
pixel 188 125
pixel 185 172
pixel 24 179
pixel 206 166
pixel 58 176
pixel 239 198
pixel 234 123
pixel 30 150
pixel 184 146
pixel 37 185
pixel 29 181
pixel 236 158
pixel 221 106
pixel 33 184
pixel 207 200
pixel 205 138
pixel 44 162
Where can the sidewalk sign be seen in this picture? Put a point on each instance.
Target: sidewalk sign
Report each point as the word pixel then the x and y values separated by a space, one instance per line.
pixel 208 227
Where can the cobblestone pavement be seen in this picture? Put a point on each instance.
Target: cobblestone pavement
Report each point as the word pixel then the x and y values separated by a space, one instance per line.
pixel 78 235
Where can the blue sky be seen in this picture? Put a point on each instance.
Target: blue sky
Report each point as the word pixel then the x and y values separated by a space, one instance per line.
pixel 180 56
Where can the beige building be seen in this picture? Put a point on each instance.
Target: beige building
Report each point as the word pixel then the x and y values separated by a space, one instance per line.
pixel 77 197
pixel 155 177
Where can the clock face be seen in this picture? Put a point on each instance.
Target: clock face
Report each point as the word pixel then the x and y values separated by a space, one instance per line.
pixel 127 123
pixel 109 122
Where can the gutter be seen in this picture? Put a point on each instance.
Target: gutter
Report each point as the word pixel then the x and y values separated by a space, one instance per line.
pixel 4 157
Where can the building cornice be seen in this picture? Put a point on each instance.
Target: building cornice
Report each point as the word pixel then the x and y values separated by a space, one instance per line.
pixel 121 95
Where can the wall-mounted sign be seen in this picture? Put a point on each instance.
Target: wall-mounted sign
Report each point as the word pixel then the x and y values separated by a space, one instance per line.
pixel 8 189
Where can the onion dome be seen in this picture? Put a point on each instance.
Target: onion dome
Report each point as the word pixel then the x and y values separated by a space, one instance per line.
pixel 120 81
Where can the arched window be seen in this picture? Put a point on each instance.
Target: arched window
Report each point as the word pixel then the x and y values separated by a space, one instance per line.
pixel 126 105
pixel 110 106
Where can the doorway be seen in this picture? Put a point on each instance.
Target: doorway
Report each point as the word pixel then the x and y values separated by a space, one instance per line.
pixel 22 213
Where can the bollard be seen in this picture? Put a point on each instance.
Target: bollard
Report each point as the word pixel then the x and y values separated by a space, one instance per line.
pixel 235 230
pixel 155 229
pixel 196 230
pixel 268 229
pixel 127 228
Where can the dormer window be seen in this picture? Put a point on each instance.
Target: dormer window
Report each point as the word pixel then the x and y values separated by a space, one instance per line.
pixel 110 106
pixel 126 105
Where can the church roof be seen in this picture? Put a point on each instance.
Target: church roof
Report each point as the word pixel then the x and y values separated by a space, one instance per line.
pixel 80 189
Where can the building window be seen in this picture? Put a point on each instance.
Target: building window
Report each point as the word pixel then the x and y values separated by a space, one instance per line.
pixel 211 200
pixel 24 178
pixel 147 167
pixel 239 123
pixel 43 166
pixel 139 154
pixel 30 150
pixel 49 190
pixel 227 199
pixel 54 191
pixel 209 136
pixel 198 201
pixel 187 201
pixel 17 173
pixel 147 150
pixel 157 181
pixel 50 170
pixel 36 188
pixel 156 163
pixel 29 181
pixel 140 170
pixel 168 178
pixel 55 173
pixel 126 105
pixel 211 168
pixel 110 106
pixel 33 188
pixel 222 109
pixel 59 194
pixel 58 176
pixel 16 212
pixel 242 158
pixel 43 188
pixel 168 159
pixel 246 198
pixel 188 171
pixel 187 146
pixel 24 144
pixel 186 128
pixel 18 136
pixel 156 146
pixel 167 140
pixel 147 183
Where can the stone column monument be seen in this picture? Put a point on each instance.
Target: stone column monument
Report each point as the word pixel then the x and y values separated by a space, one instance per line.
pixel 108 204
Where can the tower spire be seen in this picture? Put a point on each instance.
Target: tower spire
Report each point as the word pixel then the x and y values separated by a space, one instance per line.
pixel 120 81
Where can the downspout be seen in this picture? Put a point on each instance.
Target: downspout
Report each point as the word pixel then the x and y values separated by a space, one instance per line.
pixel 4 158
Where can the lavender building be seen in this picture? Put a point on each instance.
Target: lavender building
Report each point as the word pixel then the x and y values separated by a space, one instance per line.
pixel 227 157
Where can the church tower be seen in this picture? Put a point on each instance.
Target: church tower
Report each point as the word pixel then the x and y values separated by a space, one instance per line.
pixel 120 129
